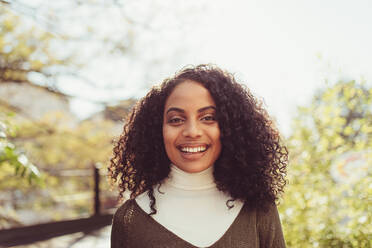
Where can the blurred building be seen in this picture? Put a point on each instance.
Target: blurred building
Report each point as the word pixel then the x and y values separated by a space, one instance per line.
pixel 33 101
pixel 116 113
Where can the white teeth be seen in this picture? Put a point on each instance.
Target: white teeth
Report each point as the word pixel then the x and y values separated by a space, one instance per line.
pixel 194 149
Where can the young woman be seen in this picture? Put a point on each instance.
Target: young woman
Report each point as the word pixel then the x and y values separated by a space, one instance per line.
pixel 203 164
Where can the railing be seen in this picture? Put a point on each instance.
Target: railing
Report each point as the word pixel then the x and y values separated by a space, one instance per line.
pixel 39 232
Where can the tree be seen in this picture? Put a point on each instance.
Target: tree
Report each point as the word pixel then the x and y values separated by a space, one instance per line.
pixel 74 40
pixel 12 157
pixel 65 153
pixel 14 165
pixel 319 208
pixel 40 43
pixel 24 49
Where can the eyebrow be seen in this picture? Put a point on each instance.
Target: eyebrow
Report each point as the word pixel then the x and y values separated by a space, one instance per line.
pixel 183 111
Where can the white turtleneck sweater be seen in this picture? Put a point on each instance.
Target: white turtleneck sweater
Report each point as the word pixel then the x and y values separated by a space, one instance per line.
pixel 191 207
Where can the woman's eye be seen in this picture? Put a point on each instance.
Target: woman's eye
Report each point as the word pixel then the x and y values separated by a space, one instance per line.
pixel 175 120
pixel 209 118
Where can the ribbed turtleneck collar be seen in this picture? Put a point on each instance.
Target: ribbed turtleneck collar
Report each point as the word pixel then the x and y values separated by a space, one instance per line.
pixel 191 181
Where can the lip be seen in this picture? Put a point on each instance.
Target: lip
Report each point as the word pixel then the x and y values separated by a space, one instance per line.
pixel 192 156
pixel 192 145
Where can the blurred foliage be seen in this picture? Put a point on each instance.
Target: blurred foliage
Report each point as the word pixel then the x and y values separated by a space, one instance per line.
pixel 65 153
pixel 57 143
pixel 12 161
pixel 43 41
pixel 62 40
pixel 24 49
pixel 63 150
pixel 322 208
pixel 14 166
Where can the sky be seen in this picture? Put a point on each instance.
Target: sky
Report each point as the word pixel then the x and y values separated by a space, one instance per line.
pixel 286 49
pixel 282 50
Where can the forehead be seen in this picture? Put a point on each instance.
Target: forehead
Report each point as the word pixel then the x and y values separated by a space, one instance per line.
pixel 189 94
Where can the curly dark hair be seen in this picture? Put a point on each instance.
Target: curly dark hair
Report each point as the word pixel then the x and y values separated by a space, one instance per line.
pixel 252 163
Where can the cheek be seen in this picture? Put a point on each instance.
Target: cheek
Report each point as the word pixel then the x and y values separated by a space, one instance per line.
pixel 216 135
pixel 168 136
pixel 166 140
pixel 217 139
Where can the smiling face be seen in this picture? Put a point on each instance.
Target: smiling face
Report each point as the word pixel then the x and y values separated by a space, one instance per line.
pixel 190 130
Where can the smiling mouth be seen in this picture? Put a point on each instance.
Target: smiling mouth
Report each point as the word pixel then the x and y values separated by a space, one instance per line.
pixel 193 149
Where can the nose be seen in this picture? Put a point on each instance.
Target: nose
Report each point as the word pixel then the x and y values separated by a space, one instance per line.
pixel 192 130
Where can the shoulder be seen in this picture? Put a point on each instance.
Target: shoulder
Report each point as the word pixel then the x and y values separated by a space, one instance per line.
pixel 268 214
pixel 269 227
pixel 128 204
pixel 127 224
pixel 120 228
pixel 263 215
pixel 125 212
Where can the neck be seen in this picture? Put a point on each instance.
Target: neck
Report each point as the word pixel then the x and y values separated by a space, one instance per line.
pixel 191 181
